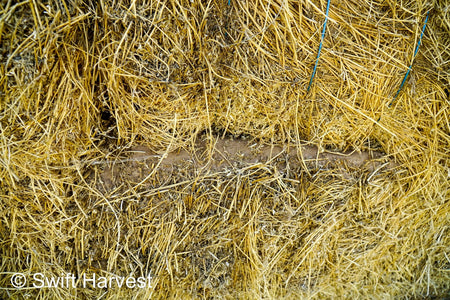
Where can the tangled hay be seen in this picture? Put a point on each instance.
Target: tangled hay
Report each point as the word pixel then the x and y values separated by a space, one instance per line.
pixel 116 125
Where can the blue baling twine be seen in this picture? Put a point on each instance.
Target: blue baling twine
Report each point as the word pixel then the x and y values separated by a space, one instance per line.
pixel 320 46
pixel 229 1
pixel 410 67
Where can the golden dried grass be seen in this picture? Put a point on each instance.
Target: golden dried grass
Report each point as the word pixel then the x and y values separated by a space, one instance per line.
pixel 81 83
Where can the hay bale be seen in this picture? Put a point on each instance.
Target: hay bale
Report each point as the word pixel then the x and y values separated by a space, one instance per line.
pixel 178 140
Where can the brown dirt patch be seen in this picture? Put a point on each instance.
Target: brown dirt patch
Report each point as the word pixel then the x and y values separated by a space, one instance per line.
pixel 231 155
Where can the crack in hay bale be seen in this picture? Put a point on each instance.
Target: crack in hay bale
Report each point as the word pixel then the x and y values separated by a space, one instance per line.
pixel 231 155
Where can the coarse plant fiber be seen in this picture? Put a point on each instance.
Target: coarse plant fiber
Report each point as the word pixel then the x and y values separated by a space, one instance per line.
pixel 83 82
